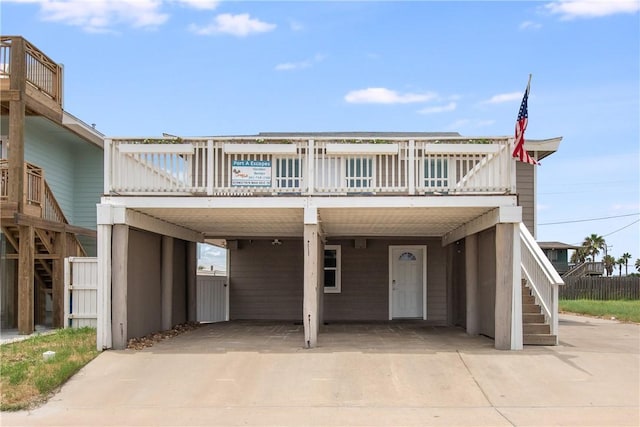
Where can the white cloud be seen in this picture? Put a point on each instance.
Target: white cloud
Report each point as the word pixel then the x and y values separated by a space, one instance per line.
pixel 530 25
pixel 240 25
pixel 504 97
pixel 439 109
pixel 380 95
pixel 289 66
pixel 296 26
pixel 101 15
pixel 571 9
pixel 199 4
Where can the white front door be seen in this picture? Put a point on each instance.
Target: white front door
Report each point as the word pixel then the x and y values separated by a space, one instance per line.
pixel 407 282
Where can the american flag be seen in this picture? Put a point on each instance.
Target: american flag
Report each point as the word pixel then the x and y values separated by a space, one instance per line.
pixel 521 124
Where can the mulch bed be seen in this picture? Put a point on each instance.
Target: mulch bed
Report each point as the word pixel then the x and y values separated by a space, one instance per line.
pixel 149 340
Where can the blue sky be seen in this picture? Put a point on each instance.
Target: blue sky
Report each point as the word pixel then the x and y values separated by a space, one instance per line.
pixel 200 67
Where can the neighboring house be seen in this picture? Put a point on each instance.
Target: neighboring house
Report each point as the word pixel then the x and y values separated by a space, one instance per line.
pixel 345 226
pixel 558 254
pixel 52 179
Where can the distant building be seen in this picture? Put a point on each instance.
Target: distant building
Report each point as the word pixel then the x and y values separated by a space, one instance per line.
pixel 558 254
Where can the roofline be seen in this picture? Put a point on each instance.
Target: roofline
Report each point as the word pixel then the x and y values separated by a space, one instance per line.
pixel 82 129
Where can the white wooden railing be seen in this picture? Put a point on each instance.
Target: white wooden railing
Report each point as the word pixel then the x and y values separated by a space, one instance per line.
pixel 246 166
pixel 541 277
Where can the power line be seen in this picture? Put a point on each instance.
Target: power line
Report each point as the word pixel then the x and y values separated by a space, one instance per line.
pixel 620 229
pixel 590 219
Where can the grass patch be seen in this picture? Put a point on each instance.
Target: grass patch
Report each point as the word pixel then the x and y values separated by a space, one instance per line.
pixel 27 380
pixel 625 310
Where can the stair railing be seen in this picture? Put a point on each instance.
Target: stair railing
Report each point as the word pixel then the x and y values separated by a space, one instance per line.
pixel 541 277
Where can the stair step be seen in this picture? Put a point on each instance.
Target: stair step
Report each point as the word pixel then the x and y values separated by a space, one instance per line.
pixel 530 308
pixel 536 328
pixel 528 299
pixel 539 339
pixel 532 318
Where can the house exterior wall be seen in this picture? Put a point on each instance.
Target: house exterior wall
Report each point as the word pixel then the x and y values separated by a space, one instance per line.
pixel 487 281
pixel 456 276
pixel 58 162
pixel 88 187
pixel 144 292
pixel 179 297
pixel 267 281
pixel 525 187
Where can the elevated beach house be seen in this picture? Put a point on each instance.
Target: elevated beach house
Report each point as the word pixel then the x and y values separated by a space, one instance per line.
pixel 327 227
pixel 51 180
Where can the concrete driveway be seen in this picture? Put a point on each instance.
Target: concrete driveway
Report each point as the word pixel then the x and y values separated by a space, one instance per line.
pixel 248 373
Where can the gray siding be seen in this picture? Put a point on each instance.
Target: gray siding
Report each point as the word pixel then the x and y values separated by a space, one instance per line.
pixel 266 282
pixel 144 290
pixel 525 187
pixel 179 297
pixel 88 185
pixel 487 281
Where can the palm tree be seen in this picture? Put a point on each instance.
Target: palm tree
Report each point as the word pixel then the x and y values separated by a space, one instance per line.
pixel 638 265
pixel 593 244
pixel 579 256
pixel 621 261
pixel 626 257
pixel 609 264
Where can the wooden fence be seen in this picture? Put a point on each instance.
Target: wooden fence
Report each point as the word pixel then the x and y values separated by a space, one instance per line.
pixel 600 288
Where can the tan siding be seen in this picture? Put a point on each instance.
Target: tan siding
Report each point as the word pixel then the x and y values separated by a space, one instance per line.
pixel 525 187
pixel 487 281
pixel 179 296
pixel 266 280
pixel 144 297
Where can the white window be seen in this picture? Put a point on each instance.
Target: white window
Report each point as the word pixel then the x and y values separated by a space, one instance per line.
pixel 359 172
pixel 288 172
pixel 436 173
pixel 332 269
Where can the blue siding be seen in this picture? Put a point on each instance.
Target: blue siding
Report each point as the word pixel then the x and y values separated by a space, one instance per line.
pixel 58 162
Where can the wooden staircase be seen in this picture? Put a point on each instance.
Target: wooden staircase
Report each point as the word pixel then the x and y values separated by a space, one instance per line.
pixel 535 329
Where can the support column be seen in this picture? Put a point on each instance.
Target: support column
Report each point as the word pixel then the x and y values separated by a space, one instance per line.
pixel 311 305
pixel 25 280
pixel 192 272
pixel 60 249
pixel 508 309
pixel 16 124
pixel 167 282
pixel 120 257
pixel 471 279
pixel 103 339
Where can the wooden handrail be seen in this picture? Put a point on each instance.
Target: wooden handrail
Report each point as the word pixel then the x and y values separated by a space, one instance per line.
pixel 41 72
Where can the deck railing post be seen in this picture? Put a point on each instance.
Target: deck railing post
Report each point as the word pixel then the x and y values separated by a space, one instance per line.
pixel 210 171
pixel 107 166
pixel 412 167
pixel 311 167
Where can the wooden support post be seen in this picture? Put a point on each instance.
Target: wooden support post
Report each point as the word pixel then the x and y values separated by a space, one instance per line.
pixel 167 282
pixel 103 339
pixel 192 266
pixel 508 327
pixel 120 259
pixel 471 279
pixel 16 124
pixel 25 280
pixel 60 249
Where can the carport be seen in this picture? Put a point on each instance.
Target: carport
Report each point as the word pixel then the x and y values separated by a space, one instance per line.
pixel 147 253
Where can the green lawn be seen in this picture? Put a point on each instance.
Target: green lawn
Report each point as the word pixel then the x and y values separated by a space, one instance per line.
pixel 26 379
pixel 625 310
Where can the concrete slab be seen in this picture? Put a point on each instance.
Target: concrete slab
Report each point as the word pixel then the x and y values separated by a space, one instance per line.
pixel 249 373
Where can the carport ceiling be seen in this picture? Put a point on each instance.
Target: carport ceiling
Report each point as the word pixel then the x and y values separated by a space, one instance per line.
pixel 229 223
